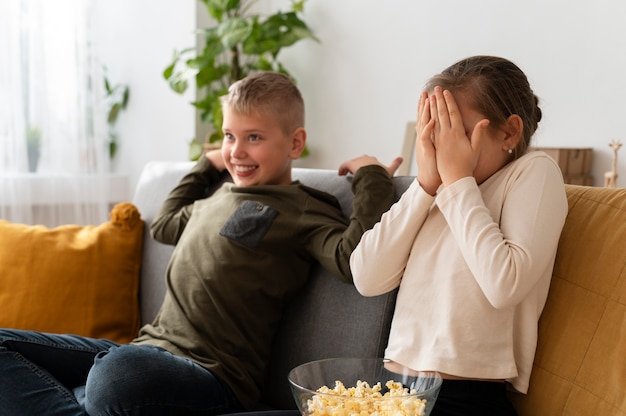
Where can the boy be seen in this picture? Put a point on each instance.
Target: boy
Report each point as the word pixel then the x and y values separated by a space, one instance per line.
pixel 241 253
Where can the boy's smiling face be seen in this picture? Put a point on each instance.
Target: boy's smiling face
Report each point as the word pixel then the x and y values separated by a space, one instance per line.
pixel 257 151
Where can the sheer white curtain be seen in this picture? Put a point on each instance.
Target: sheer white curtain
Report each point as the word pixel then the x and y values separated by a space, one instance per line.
pixel 54 156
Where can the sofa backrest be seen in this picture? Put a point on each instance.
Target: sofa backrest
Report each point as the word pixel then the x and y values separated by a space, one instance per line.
pixel 156 181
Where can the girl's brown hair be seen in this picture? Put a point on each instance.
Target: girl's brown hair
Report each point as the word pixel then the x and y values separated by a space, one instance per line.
pixel 497 89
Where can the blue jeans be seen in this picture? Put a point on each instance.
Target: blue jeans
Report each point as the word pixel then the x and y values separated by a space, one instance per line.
pixel 50 374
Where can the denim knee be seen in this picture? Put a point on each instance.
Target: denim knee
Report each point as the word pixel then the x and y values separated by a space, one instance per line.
pixel 132 379
pixel 118 376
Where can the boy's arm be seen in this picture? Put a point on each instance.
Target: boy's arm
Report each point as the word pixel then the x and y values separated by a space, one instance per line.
pixel 373 195
pixel 172 218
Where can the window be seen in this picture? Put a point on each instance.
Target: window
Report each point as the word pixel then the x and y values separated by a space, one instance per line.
pixel 52 119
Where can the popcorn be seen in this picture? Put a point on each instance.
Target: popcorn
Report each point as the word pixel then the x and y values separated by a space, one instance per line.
pixel 363 400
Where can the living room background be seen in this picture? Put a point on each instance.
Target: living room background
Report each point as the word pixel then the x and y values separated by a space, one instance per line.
pixel 361 82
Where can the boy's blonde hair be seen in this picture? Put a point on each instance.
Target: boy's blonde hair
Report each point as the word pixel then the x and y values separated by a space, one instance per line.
pixel 269 94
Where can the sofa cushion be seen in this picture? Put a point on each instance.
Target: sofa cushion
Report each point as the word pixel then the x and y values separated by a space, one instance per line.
pixel 580 365
pixel 327 319
pixel 73 279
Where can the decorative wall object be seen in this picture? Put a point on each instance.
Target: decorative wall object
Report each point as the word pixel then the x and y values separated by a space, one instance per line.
pixel 610 178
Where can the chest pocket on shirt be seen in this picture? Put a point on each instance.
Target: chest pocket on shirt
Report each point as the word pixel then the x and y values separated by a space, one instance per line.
pixel 249 223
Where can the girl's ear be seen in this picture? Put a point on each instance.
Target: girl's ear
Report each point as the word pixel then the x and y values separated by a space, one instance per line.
pixel 514 129
pixel 298 141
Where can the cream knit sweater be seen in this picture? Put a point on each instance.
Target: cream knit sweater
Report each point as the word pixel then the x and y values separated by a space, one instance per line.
pixel 473 265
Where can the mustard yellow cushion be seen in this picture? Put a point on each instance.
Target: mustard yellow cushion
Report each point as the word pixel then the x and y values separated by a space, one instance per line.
pixel 580 364
pixel 73 279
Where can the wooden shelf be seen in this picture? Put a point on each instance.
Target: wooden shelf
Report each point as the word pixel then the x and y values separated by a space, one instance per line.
pixel 575 163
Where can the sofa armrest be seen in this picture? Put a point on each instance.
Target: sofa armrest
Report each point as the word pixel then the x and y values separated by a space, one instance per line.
pixel 580 365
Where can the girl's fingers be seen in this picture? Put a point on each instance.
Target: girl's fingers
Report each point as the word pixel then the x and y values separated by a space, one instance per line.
pixel 423 111
pixel 447 111
pixel 427 131
pixel 453 112
pixel 434 111
pixel 438 102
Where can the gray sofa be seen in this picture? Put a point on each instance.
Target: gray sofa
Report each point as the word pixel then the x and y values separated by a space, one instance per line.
pixel 328 319
pixel 579 367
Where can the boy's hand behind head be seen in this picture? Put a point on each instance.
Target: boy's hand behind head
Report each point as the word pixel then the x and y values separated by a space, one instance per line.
pixel 216 159
pixel 353 165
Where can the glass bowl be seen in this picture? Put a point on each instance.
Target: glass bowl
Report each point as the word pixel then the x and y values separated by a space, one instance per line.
pixel 416 391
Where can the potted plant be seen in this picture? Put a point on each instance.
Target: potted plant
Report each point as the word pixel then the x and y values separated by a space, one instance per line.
pixel 116 101
pixel 240 43
pixel 33 147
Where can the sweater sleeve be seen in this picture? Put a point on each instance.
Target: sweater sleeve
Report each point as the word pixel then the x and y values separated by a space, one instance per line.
pixel 373 195
pixel 507 255
pixel 174 214
pixel 391 239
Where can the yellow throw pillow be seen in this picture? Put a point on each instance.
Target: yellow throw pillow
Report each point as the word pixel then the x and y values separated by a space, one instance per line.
pixel 74 279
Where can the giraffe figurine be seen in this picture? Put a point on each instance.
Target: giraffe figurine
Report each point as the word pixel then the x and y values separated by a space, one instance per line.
pixel 610 178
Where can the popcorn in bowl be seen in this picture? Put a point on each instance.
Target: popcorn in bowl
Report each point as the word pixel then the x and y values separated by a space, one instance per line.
pixel 404 392
pixel 365 400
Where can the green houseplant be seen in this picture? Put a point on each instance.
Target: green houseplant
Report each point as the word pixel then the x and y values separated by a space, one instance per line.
pixel 240 43
pixel 33 147
pixel 116 101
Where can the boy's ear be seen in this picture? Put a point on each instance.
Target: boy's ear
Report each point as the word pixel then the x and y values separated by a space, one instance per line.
pixel 298 141
pixel 514 129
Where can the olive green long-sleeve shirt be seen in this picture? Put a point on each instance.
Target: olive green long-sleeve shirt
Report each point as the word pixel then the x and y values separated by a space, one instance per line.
pixel 240 255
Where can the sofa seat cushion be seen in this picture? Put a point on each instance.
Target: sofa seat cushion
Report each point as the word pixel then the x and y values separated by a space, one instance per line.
pixel 580 365
pixel 74 279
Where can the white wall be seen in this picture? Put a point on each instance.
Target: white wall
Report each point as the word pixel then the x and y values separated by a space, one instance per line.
pixel 135 41
pixel 362 80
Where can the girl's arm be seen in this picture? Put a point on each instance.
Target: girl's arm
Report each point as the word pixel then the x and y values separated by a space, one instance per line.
pixel 507 256
pixel 379 260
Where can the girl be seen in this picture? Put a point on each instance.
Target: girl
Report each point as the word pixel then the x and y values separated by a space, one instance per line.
pixel 471 244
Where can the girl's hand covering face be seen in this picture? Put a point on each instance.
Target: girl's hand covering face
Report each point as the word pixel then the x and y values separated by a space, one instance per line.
pixel 427 172
pixel 456 154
